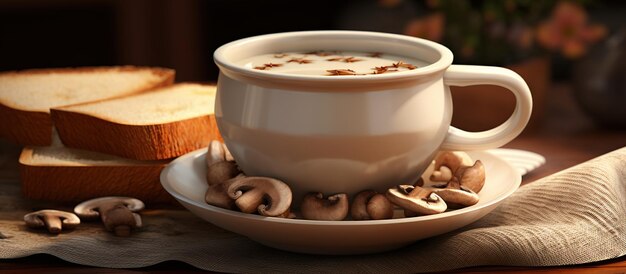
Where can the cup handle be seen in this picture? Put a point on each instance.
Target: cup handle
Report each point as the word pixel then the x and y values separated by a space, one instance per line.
pixel 466 75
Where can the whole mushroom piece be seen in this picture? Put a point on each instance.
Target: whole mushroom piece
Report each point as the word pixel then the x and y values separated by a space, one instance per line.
pixel 447 163
pixel 220 164
pixel 53 220
pixel 117 213
pixel 221 168
pixel 472 177
pixel 332 208
pixel 371 205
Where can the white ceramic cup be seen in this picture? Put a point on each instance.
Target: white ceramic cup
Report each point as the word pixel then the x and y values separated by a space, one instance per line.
pixel 350 133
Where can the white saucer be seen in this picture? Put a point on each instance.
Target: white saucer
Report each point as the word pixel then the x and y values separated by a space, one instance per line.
pixel 522 160
pixel 184 179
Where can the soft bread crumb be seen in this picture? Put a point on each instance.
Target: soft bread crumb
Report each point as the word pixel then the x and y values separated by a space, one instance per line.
pixel 42 91
pixel 169 104
pixel 63 156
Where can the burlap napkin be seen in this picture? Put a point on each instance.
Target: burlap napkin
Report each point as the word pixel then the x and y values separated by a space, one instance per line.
pixel 572 217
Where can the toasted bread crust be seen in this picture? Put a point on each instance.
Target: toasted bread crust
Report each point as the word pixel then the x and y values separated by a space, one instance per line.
pixel 25 127
pixel 35 128
pixel 140 142
pixel 72 184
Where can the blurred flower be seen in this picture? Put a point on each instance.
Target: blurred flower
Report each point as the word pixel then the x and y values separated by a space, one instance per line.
pixel 510 5
pixel 507 31
pixel 568 30
pixel 467 50
pixel 521 35
pixel 432 3
pixel 430 27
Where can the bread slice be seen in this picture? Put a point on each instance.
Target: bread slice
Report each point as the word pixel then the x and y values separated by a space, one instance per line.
pixel 27 96
pixel 161 124
pixel 62 174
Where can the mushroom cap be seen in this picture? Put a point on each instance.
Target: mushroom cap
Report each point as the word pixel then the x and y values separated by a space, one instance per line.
pixel 379 207
pixel 332 208
pixel 358 208
pixel 90 208
pixel 220 164
pixel 221 171
pixel 456 198
pixel 370 205
pixel 53 219
pixel 472 177
pixel 416 199
pixel 452 159
pixel 216 195
pixel 268 196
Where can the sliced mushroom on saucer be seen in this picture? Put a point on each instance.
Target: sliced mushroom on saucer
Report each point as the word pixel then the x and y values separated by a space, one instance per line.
pixel 472 177
pixel 267 196
pixel 455 194
pixel 415 199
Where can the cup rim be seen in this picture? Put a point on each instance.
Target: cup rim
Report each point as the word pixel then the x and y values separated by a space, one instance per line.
pixel 444 61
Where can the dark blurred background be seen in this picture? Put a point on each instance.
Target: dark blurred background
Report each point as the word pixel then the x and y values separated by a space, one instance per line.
pixel 178 34
pixel 564 38
pixel 183 34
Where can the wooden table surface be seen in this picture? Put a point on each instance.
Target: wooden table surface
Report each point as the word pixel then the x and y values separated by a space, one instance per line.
pixel 566 139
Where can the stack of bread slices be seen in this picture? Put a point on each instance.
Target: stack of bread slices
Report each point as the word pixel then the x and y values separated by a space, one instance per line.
pixel 103 131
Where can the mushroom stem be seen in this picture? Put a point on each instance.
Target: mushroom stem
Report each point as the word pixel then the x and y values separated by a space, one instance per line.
pixel 250 200
pixel 53 223
pixel 118 218
pixel 442 175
